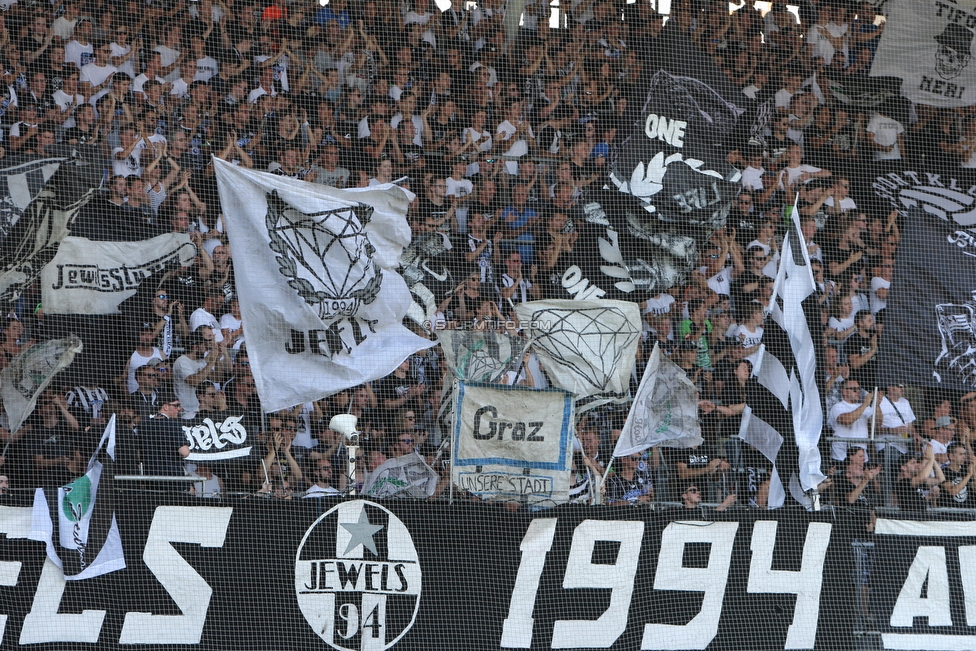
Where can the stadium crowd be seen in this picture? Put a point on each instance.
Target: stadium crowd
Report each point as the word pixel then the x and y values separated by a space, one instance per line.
pixel 501 140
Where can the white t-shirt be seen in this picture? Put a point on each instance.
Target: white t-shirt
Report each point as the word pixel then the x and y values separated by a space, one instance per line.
pixel 482 139
pixel 63 27
pixel 136 362
pixel 207 68
pixel 516 148
pixel 721 283
pixel 418 127
pixel 892 418
pixel 877 303
pixel 749 340
pixel 201 317
pixel 128 67
pixel 78 54
pixel 95 74
pixel 783 98
pixel 857 430
pixel 129 165
pixel 845 204
pixel 752 178
pixel 169 57
pixel 183 368
pixel 885 132
pixel 659 305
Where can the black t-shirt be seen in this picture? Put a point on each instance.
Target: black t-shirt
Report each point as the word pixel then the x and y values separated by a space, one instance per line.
pixel 432 212
pixel 162 439
pixel 51 443
pixel 867 374
pixel 909 497
pixel 961 499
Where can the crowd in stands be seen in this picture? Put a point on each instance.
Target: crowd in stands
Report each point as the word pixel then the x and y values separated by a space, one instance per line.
pixel 501 139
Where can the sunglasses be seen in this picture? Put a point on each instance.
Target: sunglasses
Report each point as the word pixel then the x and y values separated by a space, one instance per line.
pixel 407 441
pixel 162 297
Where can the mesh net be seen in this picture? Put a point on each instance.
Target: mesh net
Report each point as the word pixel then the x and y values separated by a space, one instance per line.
pixel 356 324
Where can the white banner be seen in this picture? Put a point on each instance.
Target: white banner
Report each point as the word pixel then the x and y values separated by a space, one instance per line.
pixel 406 476
pixel 91 277
pixel 513 443
pixel 664 412
pixel 315 267
pixel 928 44
pixel 30 372
pixel 586 347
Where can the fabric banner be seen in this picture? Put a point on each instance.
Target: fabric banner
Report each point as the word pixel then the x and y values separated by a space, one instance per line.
pixel 317 281
pixel 788 339
pixel 88 277
pixel 30 372
pixel 499 454
pixel 481 355
pixel 586 347
pixel 218 441
pixel 932 307
pixel 925 595
pixel 408 575
pixel 664 411
pixel 928 45
pixel 86 542
pixel 21 180
pixel 406 476
pixel 32 243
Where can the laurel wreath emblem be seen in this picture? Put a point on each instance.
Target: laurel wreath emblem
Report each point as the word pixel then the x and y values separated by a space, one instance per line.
pixel 288 266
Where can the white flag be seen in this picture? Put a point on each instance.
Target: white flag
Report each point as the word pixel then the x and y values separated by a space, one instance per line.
pixel 29 373
pixel 86 543
pixel 315 267
pixel 93 277
pixel 664 412
pixel 928 44
pixel 586 347
pixel 406 476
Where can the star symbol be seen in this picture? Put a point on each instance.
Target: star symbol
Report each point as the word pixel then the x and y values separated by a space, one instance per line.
pixel 361 533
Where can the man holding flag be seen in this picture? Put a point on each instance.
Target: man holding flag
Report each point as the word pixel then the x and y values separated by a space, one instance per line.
pixel 77 521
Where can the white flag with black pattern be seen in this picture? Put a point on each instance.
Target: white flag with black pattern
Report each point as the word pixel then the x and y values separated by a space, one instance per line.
pixel 315 267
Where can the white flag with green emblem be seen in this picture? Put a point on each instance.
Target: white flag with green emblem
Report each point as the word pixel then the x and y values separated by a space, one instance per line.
pixel 664 412
pixel 82 536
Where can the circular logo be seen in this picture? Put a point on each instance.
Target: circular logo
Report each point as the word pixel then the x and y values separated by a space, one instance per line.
pixel 357 577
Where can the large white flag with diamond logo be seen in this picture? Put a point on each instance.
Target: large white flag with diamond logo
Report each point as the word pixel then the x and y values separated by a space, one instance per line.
pixel 586 347
pixel 315 267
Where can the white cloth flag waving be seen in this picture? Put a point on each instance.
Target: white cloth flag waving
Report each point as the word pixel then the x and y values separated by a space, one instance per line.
pixel 664 412
pixel 85 543
pixel 586 347
pixel 928 44
pixel 321 301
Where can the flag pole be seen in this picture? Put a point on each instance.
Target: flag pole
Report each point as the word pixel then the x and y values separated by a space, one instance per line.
pixel 874 413
pixel 603 484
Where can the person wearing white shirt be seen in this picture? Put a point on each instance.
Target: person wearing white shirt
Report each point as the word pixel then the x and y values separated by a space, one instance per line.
pixel 204 315
pixel 516 134
pixel 849 418
pixel 98 74
pixel 886 137
pixel 80 50
pixel 881 285
pixel 126 158
pixel 124 55
pixel 169 52
pixel 323 480
pixel 897 419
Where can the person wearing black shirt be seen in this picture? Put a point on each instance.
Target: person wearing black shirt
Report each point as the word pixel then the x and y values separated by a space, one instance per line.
pixel 915 476
pixel 631 484
pixel 56 441
pixel 861 349
pixel 959 472
pixel 164 446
